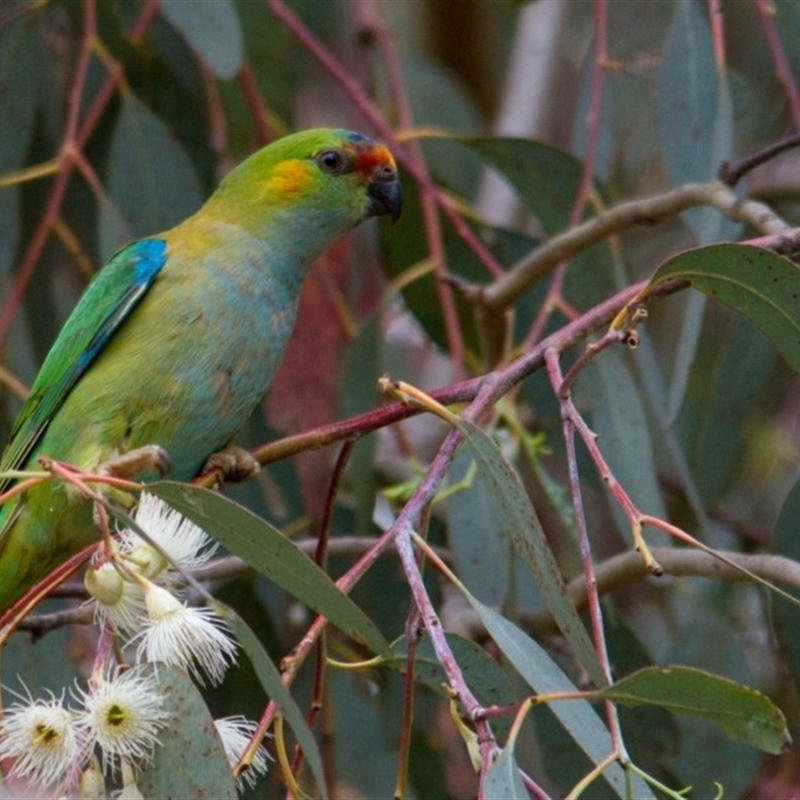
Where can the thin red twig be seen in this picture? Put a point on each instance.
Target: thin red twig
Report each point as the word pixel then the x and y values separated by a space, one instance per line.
pixel 717 33
pixel 783 70
pixel 587 562
pixel 255 104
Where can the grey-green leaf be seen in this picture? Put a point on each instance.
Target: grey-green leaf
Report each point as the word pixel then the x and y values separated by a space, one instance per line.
pixel 269 552
pixel 477 537
pixel 212 30
pixel 543 675
pixel 687 95
pixel 270 679
pixel 620 421
pixel 546 179
pixel 190 762
pixel 519 520
pixel 503 779
pixel 150 179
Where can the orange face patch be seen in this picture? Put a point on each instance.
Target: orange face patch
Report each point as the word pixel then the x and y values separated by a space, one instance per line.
pixel 367 159
pixel 289 178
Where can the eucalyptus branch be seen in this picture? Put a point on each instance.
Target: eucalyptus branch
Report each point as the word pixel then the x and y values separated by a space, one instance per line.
pixel 731 174
pixel 504 292
pixel 783 68
pixel 624 568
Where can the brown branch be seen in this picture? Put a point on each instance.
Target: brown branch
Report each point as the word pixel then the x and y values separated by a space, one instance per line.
pixel 783 69
pixel 504 292
pixel 731 174
pixel 624 568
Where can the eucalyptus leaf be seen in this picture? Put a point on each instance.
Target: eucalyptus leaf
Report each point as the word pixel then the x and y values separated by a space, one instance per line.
pixel 759 284
pixel 620 422
pixel 717 440
pixel 150 178
pixel 545 178
pixel 687 95
pixel 503 779
pixel 478 538
pixel 212 30
pixel 270 679
pixel 743 713
pixel 544 676
pixel 190 761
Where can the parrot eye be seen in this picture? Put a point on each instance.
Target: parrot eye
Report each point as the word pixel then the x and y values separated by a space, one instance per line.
pixel 331 161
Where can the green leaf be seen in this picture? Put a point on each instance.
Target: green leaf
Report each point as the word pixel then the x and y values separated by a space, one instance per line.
pixel 743 713
pixel 190 762
pixel 405 250
pixel 503 779
pixel 269 552
pixel 724 398
pixel 695 119
pixel 690 328
pixel 546 179
pixel 759 284
pixel 544 676
pixel 150 178
pixel 212 30
pixel 515 513
pixel 270 679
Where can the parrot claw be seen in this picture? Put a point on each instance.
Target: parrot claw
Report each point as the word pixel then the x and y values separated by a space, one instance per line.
pixel 151 458
pixel 235 463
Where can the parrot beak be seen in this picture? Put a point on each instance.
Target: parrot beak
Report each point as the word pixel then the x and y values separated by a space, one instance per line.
pixel 385 194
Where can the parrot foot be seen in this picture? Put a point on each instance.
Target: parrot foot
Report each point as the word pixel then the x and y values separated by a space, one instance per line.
pixel 236 464
pixel 151 458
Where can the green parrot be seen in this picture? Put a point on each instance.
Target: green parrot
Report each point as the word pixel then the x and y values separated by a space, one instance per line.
pixel 176 340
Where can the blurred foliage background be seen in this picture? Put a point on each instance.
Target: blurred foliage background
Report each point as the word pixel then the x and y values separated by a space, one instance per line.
pixel 513 124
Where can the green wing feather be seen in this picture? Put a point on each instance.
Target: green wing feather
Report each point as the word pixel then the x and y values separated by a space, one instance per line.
pixel 111 296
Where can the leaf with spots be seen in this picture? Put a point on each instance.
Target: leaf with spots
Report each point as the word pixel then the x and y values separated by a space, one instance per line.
pixel 743 713
pixel 759 284
pixel 190 761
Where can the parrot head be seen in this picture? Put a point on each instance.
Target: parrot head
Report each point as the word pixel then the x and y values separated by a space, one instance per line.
pixel 324 180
